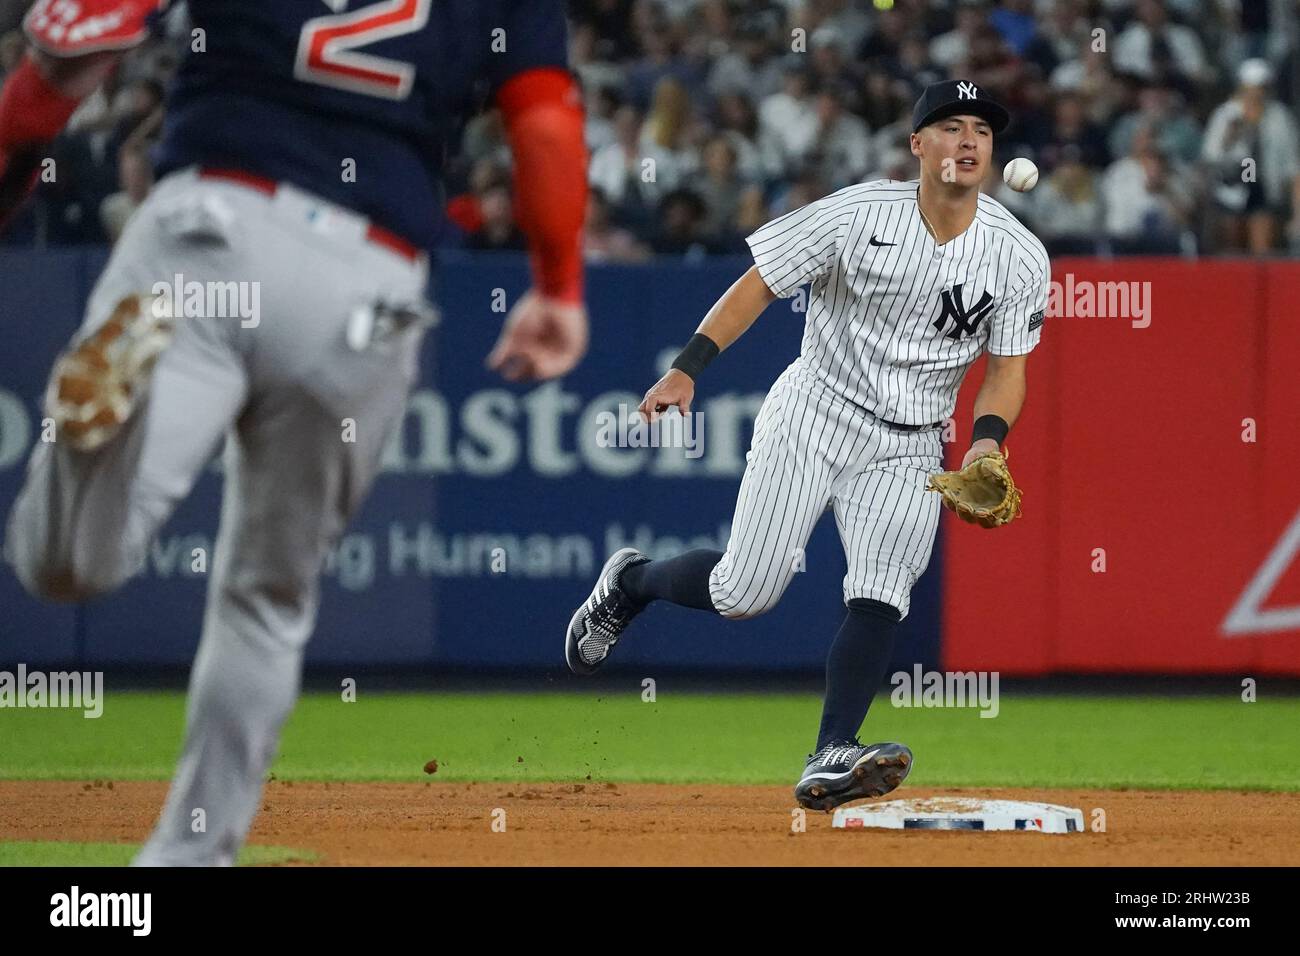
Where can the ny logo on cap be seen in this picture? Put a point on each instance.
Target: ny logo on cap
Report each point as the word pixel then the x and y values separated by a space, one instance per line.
pixel 966 91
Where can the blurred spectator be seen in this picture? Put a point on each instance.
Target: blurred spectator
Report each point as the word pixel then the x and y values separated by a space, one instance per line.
pixel 497 231
pixel 738 121
pixel 749 68
pixel 1072 130
pixel 842 149
pixel 601 105
pixel 751 214
pixel 1253 151
pixel 951 48
pixel 1066 206
pixel 1090 77
pixel 805 188
pixel 990 64
pixel 1263 29
pixel 1034 119
pixel 913 66
pixel 465 210
pixel 882 99
pixel 897 164
pixel 632 176
pixel 1155 49
pixel 1148 206
pixel 883 45
pixel 788 123
pixel 1058 35
pixel 135 175
pixel 1014 21
pixel 1163 109
pixel 734 204
pixel 681 232
pixel 586 58
pixel 86 162
pixel 765 16
pixel 668 124
pixel 155 62
pixel 721 187
pixel 840 22
pixel 827 66
pixel 897 135
pixel 605 242
pixel 660 42
pixel 610 25
pixel 484 139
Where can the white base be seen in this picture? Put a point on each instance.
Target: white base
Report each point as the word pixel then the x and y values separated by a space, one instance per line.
pixel 960 813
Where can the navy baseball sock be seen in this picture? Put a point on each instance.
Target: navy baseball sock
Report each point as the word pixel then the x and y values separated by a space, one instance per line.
pixel 855 667
pixel 681 580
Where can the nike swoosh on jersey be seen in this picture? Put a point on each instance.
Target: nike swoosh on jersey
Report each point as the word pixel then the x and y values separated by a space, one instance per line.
pixel 877 242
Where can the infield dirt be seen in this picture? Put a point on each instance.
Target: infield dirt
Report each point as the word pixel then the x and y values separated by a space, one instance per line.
pixel 607 824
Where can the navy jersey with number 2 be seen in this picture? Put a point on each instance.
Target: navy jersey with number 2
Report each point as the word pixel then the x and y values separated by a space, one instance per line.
pixel 353 100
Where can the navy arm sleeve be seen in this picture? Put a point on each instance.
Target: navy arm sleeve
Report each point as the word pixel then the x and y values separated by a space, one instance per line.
pixel 535 35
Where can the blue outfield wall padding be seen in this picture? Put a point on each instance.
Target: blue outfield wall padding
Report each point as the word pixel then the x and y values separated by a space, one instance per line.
pixel 484 472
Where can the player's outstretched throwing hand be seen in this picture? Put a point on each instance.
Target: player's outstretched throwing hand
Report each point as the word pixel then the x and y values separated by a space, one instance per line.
pixel 675 388
pixel 542 338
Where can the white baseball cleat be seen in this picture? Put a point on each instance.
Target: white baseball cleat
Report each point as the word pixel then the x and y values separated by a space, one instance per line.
pixel 97 383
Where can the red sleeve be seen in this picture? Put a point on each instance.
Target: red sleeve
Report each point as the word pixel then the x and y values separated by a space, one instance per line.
pixel 32 112
pixel 543 115
pixel 31 109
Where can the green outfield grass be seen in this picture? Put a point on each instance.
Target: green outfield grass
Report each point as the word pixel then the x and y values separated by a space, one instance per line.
pixel 61 853
pixel 611 734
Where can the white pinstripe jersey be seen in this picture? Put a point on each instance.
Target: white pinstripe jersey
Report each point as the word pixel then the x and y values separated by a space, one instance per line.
pixel 895 320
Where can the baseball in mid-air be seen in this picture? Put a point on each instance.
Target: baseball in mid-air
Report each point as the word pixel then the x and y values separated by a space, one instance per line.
pixel 1020 174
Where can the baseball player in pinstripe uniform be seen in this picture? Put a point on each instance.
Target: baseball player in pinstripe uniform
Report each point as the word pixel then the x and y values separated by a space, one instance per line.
pixel 911 282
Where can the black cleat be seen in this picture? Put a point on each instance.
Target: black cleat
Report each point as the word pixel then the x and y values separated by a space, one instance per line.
pixel 845 771
pixel 596 626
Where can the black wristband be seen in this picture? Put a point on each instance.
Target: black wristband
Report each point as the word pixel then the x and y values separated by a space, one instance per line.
pixel 990 426
pixel 699 352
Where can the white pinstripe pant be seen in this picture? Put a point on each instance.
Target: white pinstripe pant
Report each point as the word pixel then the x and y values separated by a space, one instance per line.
pixel 811 450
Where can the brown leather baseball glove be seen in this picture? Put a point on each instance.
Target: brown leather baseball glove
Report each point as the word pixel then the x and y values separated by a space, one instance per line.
pixel 982 493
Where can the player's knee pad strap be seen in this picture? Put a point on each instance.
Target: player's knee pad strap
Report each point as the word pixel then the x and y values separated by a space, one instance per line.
pixel 877 608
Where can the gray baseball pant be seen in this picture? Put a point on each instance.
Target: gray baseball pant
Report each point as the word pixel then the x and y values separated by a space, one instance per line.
pixel 304 415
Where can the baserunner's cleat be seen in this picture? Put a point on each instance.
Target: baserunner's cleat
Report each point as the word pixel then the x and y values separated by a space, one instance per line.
pixel 98 382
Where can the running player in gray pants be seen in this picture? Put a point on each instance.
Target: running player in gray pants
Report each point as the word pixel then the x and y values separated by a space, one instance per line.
pixel 270 292
pixel 911 282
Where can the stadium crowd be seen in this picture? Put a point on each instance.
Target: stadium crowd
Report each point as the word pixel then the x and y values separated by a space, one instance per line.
pixel 1158 127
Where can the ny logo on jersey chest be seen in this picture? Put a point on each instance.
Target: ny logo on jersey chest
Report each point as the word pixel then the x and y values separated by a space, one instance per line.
pixel 964 320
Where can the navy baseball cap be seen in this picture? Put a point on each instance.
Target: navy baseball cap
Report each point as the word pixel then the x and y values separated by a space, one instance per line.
pixel 958 98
